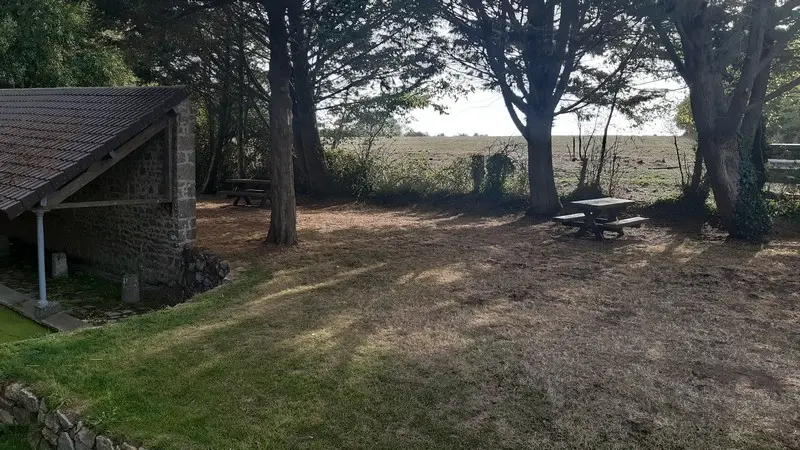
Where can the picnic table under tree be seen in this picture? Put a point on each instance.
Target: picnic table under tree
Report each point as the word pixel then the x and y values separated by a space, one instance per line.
pixel 247 189
pixel 600 215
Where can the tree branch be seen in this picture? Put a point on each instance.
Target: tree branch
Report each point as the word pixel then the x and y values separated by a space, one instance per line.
pixel 680 67
pixel 619 69
pixel 750 69
pixel 783 89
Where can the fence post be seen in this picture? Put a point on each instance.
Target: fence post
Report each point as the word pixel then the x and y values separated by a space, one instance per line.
pixel 478 172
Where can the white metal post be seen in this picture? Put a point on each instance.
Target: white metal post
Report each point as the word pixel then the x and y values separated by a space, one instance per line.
pixel 40 250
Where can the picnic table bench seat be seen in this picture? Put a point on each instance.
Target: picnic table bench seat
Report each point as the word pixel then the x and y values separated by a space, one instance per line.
pixel 599 215
pixel 569 217
pixel 633 222
pixel 248 192
pixel 247 189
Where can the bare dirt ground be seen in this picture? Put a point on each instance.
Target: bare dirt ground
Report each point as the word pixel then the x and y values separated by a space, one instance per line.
pixel 514 328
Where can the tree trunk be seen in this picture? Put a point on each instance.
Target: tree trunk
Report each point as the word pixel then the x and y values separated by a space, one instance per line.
pixel 213 163
pixel 719 150
pixel 211 181
pixel 240 132
pixel 697 174
pixel 722 163
pixel 283 221
pixel 309 152
pixel 544 195
pixel 218 137
pixel 727 96
pixel 604 144
pixel 760 147
pixel 219 108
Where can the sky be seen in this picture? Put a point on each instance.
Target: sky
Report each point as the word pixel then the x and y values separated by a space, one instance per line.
pixel 484 112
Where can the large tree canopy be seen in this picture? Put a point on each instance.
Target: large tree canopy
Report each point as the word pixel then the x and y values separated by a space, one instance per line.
pixel 537 54
pixel 48 43
pixel 347 54
pixel 344 55
pixel 213 53
pixel 725 51
pixel 783 113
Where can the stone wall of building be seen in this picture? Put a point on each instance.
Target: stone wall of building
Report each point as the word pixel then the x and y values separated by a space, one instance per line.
pixel 146 239
pixel 204 271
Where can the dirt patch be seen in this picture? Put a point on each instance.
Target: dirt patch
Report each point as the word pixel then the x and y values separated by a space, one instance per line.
pixel 726 375
pixel 616 316
pixel 646 338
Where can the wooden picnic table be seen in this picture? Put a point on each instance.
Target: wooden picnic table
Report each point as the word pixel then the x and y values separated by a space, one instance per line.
pixel 247 188
pixel 600 215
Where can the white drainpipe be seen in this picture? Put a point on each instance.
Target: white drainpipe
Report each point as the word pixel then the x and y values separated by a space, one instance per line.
pixel 40 250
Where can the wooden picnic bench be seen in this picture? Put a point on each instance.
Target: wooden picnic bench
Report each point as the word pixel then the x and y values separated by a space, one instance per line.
pixel 600 215
pixel 246 189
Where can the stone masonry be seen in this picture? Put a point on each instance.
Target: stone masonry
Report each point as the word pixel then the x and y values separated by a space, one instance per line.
pixel 204 271
pixel 50 429
pixel 148 240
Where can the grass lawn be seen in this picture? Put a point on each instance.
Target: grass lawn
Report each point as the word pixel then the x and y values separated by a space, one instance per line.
pixel 13 439
pixel 14 327
pixel 416 328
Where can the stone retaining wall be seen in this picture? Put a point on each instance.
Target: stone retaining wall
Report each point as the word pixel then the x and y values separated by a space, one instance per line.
pixel 204 271
pixel 50 429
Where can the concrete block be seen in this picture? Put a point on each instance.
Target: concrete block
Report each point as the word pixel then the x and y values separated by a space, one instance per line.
pixel 64 322
pixel 60 269
pixel 130 289
pixel 5 246
pixel 10 297
pixel 43 312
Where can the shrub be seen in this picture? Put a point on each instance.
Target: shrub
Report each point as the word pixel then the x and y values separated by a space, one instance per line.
pixel 414 133
pixel 370 169
pixel 499 167
pixel 455 177
pixel 784 206
pixel 382 174
pixel 585 192
pixel 506 168
pixel 353 174
pixel 751 219
pixel 691 202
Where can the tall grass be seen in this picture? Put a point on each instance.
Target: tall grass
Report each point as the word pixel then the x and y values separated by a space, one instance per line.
pixel 367 171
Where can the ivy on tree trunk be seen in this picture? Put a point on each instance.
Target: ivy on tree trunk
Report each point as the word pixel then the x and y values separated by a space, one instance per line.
pixel 725 51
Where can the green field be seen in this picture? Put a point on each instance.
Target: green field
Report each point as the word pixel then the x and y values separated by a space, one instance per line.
pixel 14 327
pixel 648 164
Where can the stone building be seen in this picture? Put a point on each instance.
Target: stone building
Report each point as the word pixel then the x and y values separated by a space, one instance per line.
pixel 105 175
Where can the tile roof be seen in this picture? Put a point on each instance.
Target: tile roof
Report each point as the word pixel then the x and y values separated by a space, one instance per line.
pixel 50 136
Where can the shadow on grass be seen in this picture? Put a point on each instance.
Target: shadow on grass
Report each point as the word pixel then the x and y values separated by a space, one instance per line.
pixel 84 294
pixel 431 330
pixel 13 439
